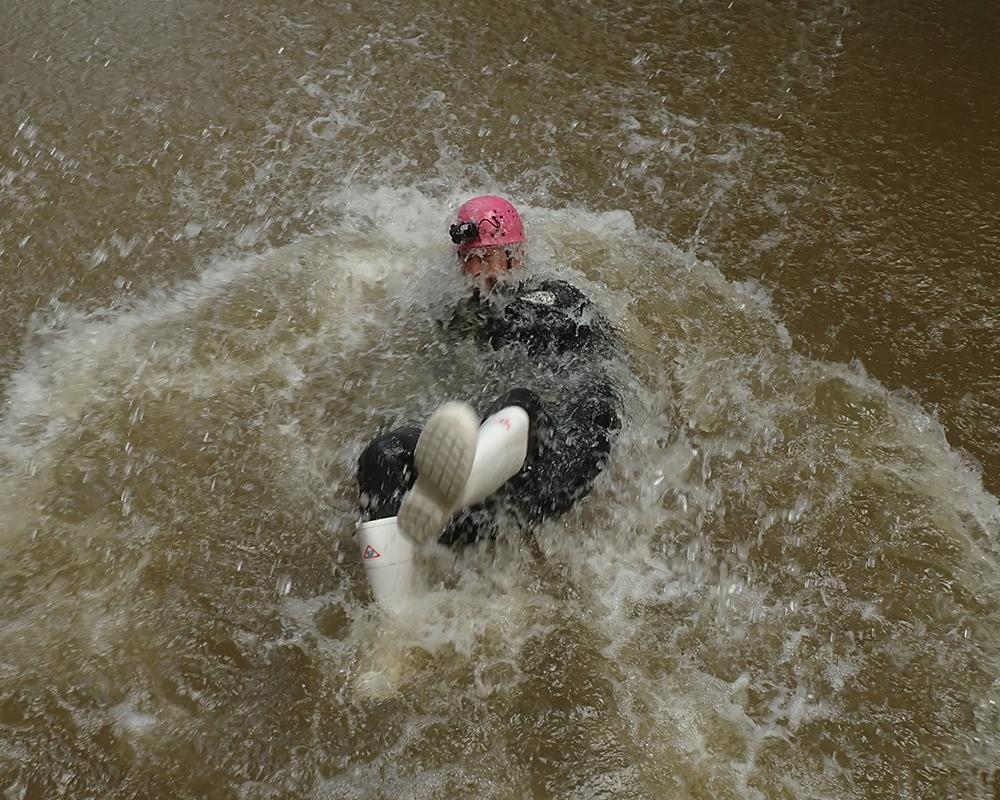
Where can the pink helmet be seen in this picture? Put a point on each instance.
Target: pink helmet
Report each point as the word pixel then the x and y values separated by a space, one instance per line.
pixel 485 221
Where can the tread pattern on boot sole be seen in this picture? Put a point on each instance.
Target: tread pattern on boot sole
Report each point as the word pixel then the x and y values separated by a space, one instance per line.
pixel 443 458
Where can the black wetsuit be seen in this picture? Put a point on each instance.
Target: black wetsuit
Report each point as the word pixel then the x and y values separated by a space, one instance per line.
pixel 550 331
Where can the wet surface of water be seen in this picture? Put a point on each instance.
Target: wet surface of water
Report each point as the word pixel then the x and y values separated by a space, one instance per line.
pixel 222 252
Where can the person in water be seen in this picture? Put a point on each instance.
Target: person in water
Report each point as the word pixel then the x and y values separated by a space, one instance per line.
pixel 538 449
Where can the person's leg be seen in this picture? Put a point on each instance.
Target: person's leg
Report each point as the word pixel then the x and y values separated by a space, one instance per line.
pixel 488 515
pixel 540 427
pixel 444 459
pixel 532 404
pixel 386 472
pixel 460 463
pixel 573 446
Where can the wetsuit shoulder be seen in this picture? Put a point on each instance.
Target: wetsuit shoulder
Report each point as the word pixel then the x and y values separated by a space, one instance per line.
pixel 554 293
pixel 547 316
pixel 556 316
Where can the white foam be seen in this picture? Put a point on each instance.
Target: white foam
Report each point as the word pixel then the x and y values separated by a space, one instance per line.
pixel 738 461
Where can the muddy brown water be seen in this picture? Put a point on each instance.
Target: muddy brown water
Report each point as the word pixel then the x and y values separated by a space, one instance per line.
pixel 222 252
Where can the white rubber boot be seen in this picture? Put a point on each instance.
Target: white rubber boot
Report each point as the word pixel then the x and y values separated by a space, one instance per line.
pixel 458 465
pixel 387 554
pixel 501 447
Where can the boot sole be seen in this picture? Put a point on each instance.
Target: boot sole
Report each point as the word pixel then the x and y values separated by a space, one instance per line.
pixel 443 458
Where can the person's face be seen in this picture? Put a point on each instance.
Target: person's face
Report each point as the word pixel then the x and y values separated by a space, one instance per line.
pixel 488 264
